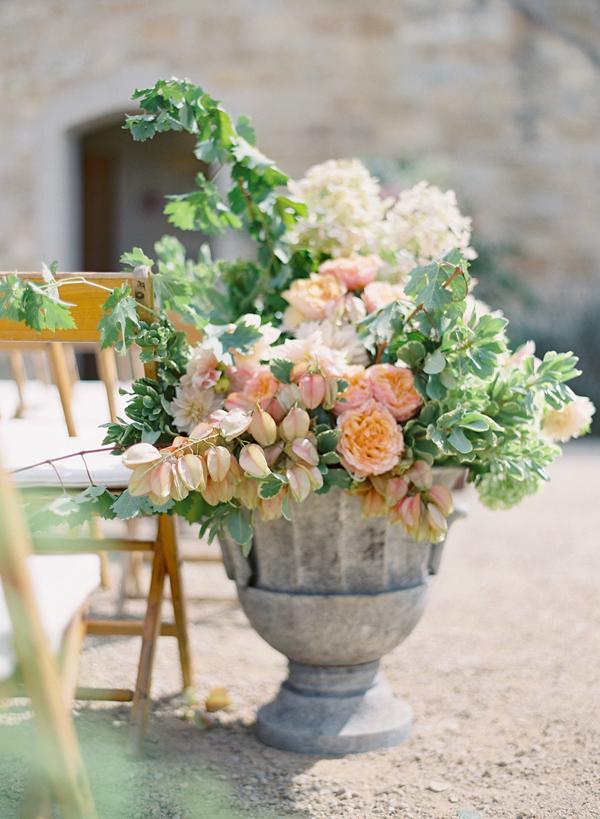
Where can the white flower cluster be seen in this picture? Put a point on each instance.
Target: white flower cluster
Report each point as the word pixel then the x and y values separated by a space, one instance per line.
pixel 427 223
pixel 345 209
pixel 347 214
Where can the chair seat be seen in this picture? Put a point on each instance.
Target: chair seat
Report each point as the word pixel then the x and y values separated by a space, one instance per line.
pixel 61 584
pixel 22 444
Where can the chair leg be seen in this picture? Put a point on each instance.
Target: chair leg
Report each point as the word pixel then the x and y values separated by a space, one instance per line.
pixel 97 534
pixel 152 620
pixel 19 376
pixel 62 380
pixel 107 370
pixel 167 536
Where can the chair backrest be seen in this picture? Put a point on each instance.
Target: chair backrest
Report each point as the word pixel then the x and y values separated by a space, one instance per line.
pixel 87 301
pixel 57 739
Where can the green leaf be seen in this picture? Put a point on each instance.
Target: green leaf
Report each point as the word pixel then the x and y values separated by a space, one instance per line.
pixel 238 526
pixel 120 322
pixel 327 440
pixel 281 369
pixel 434 363
pixel 244 128
pixel 338 477
pixel 271 486
pixel 127 506
pixel 460 442
pixel 241 338
pixel 136 258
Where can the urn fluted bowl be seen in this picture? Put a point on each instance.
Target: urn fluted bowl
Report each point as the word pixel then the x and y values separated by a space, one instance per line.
pixel 333 592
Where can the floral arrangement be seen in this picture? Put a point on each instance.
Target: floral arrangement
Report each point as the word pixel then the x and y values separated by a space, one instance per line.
pixel 350 353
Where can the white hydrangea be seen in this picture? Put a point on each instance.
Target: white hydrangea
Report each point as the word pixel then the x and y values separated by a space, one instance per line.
pixel 345 209
pixel 340 336
pixel 426 222
pixel 571 421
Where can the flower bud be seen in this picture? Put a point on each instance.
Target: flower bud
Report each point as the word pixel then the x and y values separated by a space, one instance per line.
pixel 420 474
pixel 263 428
pixel 192 471
pixel 179 490
pixel 272 508
pixel 218 460
pixel 299 482
pixel 247 492
pixel 139 455
pixel 395 490
pixel 410 511
pixel 273 452
pixel 315 477
pixel 160 480
pixel 305 450
pixel 442 497
pixel 372 504
pixel 295 424
pixel 438 525
pixel 253 461
pixel 331 393
pixel 234 423
pixel 312 388
pixel 288 395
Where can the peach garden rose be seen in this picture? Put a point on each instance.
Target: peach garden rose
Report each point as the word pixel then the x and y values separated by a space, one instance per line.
pixel 354 271
pixel 313 299
pixel 370 440
pixel 394 388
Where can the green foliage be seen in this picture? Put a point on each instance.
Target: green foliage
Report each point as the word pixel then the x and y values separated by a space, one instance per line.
pixel 251 200
pixel 120 322
pixel 37 306
pixel 281 369
pixel 71 510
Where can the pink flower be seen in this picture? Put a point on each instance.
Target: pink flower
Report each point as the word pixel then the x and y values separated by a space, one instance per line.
pixel 312 389
pixel 312 299
pixel 201 372
pixel 370 440
pixel 394 388
pixel 356 393
pixel 162 475
pixel 353 271
pixel 259 388
pixel 378 294
pixel 253 461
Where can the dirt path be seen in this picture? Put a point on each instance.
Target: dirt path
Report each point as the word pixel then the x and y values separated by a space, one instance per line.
pixel 503 674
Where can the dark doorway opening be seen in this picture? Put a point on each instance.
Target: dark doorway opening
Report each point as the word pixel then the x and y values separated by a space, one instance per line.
pixel 123 189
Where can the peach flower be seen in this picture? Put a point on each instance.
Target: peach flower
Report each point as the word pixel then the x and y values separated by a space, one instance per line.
pixel 370 440
pixel 258 389
pixel 571 421
pixel 312 299
pixel 377 294
pixel 355 272
pixel 394 388
pixel 356 393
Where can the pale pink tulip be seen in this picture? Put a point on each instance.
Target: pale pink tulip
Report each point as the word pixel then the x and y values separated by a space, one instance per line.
pixel 253 461
pixel 420 475
pixel 299 482
pixel 295 424
pixel 305 451
pixel 273 452
pixel 263 428
pixel 312 389
pixel 218 460
pixel 442 497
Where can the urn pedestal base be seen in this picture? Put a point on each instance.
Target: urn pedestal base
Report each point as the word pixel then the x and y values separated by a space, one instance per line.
pixel 334 710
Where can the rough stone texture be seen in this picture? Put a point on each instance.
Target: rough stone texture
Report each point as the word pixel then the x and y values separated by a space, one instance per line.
pixel 334 711
pixel 505 91
pixel 501 674
pixel 333 592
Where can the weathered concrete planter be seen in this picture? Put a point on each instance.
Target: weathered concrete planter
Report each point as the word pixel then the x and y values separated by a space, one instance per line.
pixel 334 593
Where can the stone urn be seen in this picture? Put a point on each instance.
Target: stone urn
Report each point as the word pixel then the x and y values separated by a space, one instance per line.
pixel 333 592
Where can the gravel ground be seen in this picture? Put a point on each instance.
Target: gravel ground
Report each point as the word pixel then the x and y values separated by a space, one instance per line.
pixel 502 673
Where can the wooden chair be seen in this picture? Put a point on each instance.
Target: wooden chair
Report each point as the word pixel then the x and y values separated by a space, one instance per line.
pixel 64 372
pixel 40 612
pixel 106 470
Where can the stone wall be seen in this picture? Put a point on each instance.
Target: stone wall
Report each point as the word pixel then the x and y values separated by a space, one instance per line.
pixel 506 92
